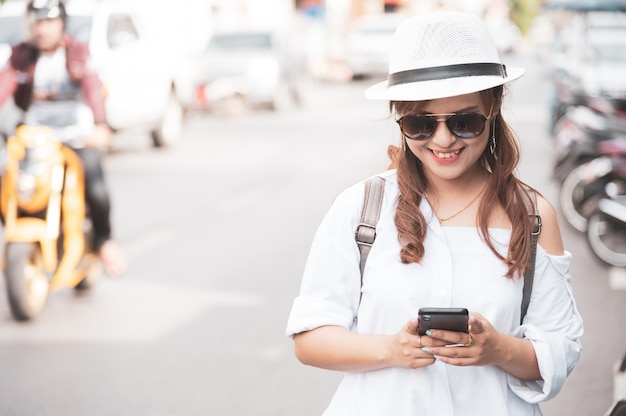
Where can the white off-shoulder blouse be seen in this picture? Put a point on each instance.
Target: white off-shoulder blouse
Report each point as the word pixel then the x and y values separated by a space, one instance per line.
pixel 458 270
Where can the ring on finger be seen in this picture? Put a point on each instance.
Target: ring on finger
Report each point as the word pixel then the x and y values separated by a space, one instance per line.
pixel 470 341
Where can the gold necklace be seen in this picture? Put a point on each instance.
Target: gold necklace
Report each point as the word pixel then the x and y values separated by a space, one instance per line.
pixel 462 209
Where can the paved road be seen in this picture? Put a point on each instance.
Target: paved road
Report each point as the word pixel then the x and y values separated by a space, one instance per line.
pixel 217 230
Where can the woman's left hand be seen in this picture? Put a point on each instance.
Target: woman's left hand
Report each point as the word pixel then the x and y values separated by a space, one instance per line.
pixel 479 347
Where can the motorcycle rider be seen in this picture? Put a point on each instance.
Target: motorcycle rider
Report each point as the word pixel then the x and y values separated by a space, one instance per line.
pixel 45 74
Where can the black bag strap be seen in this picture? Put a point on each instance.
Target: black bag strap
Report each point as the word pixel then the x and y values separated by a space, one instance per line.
pixel 529 273
pixel 365 234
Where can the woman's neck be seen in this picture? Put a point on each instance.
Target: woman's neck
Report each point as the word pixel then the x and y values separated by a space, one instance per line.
pixel 457 200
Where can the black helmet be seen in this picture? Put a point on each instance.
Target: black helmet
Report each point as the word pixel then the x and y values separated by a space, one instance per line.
pixel 46 9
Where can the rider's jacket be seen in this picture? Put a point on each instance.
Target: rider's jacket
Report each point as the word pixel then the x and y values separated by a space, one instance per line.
pixel 17 78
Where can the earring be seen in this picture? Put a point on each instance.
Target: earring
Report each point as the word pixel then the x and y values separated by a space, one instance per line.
pixel 492 144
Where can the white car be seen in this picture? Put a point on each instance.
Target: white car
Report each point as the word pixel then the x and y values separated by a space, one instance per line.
pixel 369 44
pixel 139 77
pixel 254 65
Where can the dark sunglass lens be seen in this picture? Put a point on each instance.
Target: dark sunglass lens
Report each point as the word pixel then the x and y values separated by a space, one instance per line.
pixel 418 127
pixel 466 125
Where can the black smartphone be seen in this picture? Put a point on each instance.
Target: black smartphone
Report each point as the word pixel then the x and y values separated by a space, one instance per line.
pixel 450 319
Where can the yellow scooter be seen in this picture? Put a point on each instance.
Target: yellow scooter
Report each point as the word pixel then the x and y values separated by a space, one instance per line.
pixel 46 232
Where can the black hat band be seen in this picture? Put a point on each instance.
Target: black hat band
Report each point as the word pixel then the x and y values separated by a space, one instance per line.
pixel 448 71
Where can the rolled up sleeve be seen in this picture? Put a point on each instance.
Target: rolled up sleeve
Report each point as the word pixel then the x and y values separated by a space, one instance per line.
pixel 330 289
pixel 553 325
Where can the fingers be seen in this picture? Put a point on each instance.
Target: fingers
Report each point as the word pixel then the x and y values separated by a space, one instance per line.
pixel 475 325
pixel 417 358
pixel 456 354
pixel 469 348
pixel 449 347
pixel 408 347
pixel 439 337
pixel 411 326
pixel 454 348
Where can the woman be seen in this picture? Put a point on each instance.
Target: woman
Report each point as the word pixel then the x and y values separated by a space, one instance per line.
pixel 454 231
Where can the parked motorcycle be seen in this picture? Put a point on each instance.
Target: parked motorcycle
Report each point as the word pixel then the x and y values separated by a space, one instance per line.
pixel 46 230
pixel 589 140
pixel 606 231
pixel 577 135
pixel 619 409
pixel 587 184
pixel 619 390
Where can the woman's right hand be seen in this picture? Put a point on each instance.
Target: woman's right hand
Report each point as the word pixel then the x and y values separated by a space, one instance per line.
pixel 406 348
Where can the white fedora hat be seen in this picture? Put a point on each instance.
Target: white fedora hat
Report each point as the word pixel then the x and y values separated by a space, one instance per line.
pixel 442 54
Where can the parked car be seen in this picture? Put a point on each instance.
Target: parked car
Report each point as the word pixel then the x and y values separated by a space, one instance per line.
pixel 369 44
pixel 590 68
pixel 139 79
pixel 254 66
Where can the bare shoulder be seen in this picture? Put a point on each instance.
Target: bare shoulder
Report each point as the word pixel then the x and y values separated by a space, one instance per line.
pixel 550 238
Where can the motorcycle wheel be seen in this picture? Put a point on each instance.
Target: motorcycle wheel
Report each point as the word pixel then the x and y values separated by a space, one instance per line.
pixel 575 205
pixel 26 279
pixel 607 239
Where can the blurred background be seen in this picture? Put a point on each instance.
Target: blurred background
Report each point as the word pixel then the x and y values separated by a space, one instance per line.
pixel 236 123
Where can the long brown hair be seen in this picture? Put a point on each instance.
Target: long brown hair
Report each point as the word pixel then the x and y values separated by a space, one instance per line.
pixel 503 187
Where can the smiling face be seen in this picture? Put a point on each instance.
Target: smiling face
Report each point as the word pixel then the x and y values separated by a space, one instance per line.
pixel 445 156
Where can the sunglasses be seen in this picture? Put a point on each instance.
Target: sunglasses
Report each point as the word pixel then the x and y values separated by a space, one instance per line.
pixel 462 125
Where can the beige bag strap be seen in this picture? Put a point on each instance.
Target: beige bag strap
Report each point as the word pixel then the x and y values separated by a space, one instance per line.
pixel 366 230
